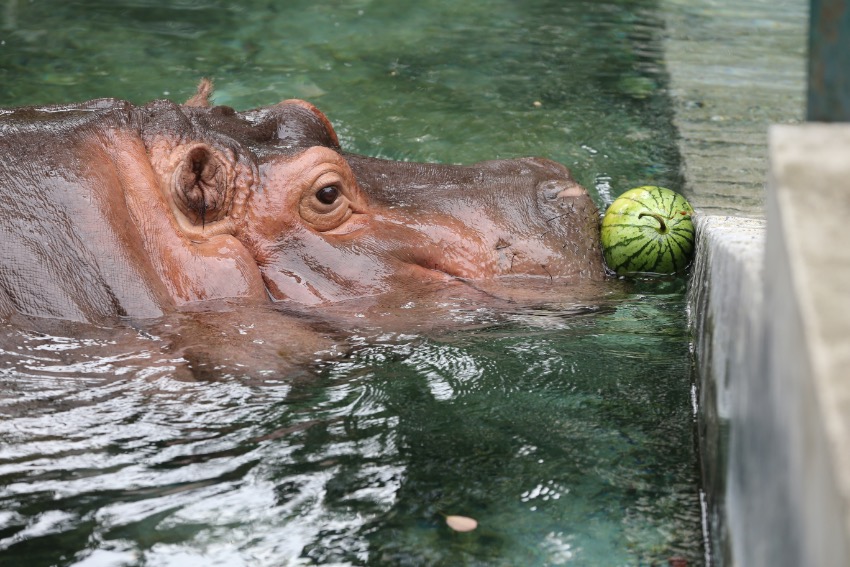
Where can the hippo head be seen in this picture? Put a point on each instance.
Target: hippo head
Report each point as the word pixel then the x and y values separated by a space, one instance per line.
pixel 168 204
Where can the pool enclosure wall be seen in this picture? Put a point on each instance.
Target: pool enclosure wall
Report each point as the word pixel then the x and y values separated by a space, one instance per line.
pixel 770 290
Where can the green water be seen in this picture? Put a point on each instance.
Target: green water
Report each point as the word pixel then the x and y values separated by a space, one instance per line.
pixel 430 81
pixel 568 434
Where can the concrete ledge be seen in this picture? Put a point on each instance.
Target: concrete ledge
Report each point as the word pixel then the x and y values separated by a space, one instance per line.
pixel 724 302
pixel 770 316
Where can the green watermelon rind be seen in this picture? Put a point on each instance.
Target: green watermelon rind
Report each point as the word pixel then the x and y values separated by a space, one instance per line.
pixel 634 245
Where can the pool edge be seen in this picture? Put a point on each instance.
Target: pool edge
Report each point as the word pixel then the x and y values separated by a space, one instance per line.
pixel 771 423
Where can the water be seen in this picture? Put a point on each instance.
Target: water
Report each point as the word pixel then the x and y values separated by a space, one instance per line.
pixel 564 425
pixel 564 429
pixel 436 81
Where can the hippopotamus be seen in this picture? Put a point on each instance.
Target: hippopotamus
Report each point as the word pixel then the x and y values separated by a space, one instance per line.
pixel 114 209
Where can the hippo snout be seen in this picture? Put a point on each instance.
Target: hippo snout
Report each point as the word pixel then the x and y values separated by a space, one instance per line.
pixel 564 203
pixel 557 234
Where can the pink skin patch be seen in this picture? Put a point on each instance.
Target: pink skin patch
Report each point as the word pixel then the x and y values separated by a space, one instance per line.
pixel 574 191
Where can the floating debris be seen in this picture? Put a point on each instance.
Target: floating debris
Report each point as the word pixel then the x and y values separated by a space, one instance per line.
pixel 461 523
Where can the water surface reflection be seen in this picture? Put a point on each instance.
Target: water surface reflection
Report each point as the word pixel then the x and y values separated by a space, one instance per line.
pixel 563 427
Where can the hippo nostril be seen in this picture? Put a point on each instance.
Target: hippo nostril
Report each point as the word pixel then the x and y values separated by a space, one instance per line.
pixel 571 191
pixel 554 189
pixel 550 189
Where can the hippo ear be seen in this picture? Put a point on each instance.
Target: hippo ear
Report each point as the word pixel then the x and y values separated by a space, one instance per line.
pixel 202 97
pixel 323 120
pixel 200 186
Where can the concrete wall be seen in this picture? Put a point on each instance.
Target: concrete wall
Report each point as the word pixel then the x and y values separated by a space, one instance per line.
pixel 771 322
pixel 769 302
pixel 735 68
pixel 725 303
pixel 806 363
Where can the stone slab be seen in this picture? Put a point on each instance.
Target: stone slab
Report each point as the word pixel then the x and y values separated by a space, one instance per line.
pixel 807 335
pixel 770 315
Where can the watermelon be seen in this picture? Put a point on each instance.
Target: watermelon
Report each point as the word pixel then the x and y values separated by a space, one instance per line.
pixel 648 230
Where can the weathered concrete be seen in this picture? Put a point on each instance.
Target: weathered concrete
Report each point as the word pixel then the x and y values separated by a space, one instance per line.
pixel 802 404
pixel 735 66
pixel 771 323
pixel 771 326
pixel 773 349
pixel 725 299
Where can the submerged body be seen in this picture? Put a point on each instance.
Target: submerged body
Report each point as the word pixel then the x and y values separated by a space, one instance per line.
pixel 112 209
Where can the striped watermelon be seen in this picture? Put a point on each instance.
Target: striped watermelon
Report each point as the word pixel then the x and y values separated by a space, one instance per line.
pixel 648 230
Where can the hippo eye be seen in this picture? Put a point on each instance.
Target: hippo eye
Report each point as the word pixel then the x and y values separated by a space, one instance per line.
pixel 328 195
pixel 326 205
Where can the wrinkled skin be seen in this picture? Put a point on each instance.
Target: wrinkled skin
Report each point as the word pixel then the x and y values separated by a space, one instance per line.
pixel 111 209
